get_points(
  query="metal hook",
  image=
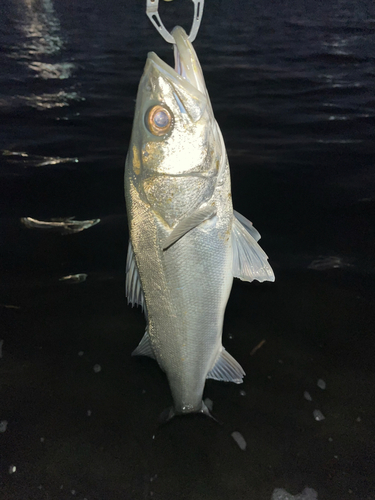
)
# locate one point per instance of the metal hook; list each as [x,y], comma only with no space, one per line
[152,12]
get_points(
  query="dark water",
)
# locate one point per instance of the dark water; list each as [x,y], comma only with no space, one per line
[292,86]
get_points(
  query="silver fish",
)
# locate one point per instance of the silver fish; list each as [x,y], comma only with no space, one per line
[186,241]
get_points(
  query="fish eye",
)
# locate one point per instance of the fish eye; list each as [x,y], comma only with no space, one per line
[159,120]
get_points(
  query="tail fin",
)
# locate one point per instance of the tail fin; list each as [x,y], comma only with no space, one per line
[170,412]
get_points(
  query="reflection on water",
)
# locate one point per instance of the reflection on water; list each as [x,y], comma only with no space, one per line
[49,101]
[63,226]
[324,263]
[43,41]
[49,71]
[36,160]
[42,28]
[74,278]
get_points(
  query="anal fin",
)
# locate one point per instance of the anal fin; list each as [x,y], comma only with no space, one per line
[227,369]
[144,347]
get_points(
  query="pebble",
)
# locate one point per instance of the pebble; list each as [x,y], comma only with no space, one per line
[97,368]
[307,396]
[242,393]
[318,415]
[12,469]
[3,425]
[321,384]
[307,494]
[238,437]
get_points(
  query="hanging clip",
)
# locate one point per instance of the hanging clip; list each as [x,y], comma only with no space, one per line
[152,12]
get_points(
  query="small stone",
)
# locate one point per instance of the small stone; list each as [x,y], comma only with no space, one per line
[40,487]
[42,440]
[3,425]
[335,456]
[307,396]
[281,361]
[242,393]
[89,413]
[12,469]
[238,437]
[318,415]
[330,440]
[73,492]
[230,336]
[321,384]
[81,353]
[153,478]
[269,377]
[97,368]
[62,487]
[358,419]
[153,437]
[143,391]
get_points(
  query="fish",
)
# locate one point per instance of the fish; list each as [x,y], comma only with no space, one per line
[186,243]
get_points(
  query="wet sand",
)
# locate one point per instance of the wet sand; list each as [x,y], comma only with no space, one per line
[75,431]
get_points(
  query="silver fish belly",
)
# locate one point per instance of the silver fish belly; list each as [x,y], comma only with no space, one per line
[186,242]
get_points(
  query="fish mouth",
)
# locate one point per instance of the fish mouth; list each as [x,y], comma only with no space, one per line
[187,70]
[186,60]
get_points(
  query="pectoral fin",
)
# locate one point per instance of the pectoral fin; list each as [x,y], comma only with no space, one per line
[247,225]
[189,222]
[250,262]
[227,369]
[133,287]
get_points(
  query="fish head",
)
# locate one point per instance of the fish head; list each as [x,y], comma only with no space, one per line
[175,153]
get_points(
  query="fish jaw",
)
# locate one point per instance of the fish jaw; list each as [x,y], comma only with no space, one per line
[186,60]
